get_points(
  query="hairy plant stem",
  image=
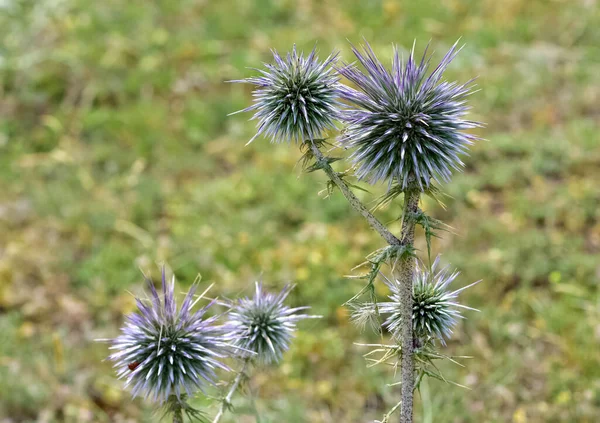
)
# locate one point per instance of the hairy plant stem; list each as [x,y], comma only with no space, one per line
[404,275]
[403,272]
[226,402]
[178,416]
[355,203]
[175,406]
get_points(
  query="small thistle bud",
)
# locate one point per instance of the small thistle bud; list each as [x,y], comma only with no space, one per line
[296,98]
[402,124]
[435,310]
[264,325]
[165,353]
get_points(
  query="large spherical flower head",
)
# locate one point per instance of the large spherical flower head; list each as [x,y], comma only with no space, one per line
[435,310]
[264,325]
[403,124]
[295,98]
[163,351]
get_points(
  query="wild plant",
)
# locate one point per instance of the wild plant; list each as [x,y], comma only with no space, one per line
[406,127]
[169,355]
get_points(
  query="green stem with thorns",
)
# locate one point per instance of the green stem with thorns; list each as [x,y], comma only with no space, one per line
[178,416]
[404,275]
[226,402]
[403,272]
[355,203]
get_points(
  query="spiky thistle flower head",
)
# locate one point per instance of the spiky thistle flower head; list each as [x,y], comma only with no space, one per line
[263,324]
[164,352]
[402,124]
[295,98]
[435,310]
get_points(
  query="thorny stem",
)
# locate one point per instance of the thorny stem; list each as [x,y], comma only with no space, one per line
[175,407]
[234,386]
[178,416]
[403,273]
[355,203]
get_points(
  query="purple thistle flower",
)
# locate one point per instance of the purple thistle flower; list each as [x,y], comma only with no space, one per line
[163,352]
[403,124]
[435,310]
[295,98]
[264,325]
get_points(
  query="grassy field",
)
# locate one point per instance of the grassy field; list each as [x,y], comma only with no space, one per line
[116,154]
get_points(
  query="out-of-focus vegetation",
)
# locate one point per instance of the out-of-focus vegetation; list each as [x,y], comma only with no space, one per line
[116,153]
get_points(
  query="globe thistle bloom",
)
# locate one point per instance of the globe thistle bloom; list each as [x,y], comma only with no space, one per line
[263,324]
[435,310]
[295,98]
[163,352]
[403,124]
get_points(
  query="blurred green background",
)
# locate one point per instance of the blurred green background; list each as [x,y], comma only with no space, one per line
[116,154]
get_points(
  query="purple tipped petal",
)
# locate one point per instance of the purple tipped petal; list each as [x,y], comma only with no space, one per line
[161,351]
[263,324]
[394,116]
[435,311]
[296,98]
